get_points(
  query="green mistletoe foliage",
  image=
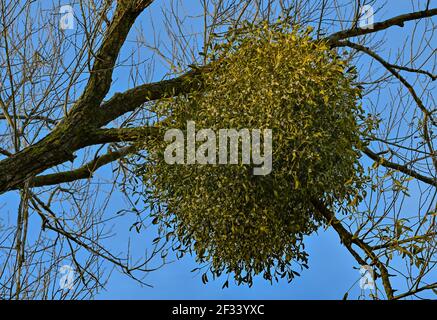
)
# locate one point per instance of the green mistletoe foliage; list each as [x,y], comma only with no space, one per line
[260,77]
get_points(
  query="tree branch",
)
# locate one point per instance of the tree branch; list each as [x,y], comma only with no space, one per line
[411,292]
[84,172]
[31,118]
[399,167]
[389,67]
[348,239]
[101,136]
[130,100]
[396,21]
[100,78]
[71,133]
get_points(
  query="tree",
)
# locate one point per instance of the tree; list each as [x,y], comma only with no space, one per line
[61,121]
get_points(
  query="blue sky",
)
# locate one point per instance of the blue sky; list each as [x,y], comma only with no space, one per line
[332,270]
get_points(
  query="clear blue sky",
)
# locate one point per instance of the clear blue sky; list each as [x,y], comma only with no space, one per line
[331,271]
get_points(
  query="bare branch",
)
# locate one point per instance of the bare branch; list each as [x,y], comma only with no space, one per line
[379,26]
